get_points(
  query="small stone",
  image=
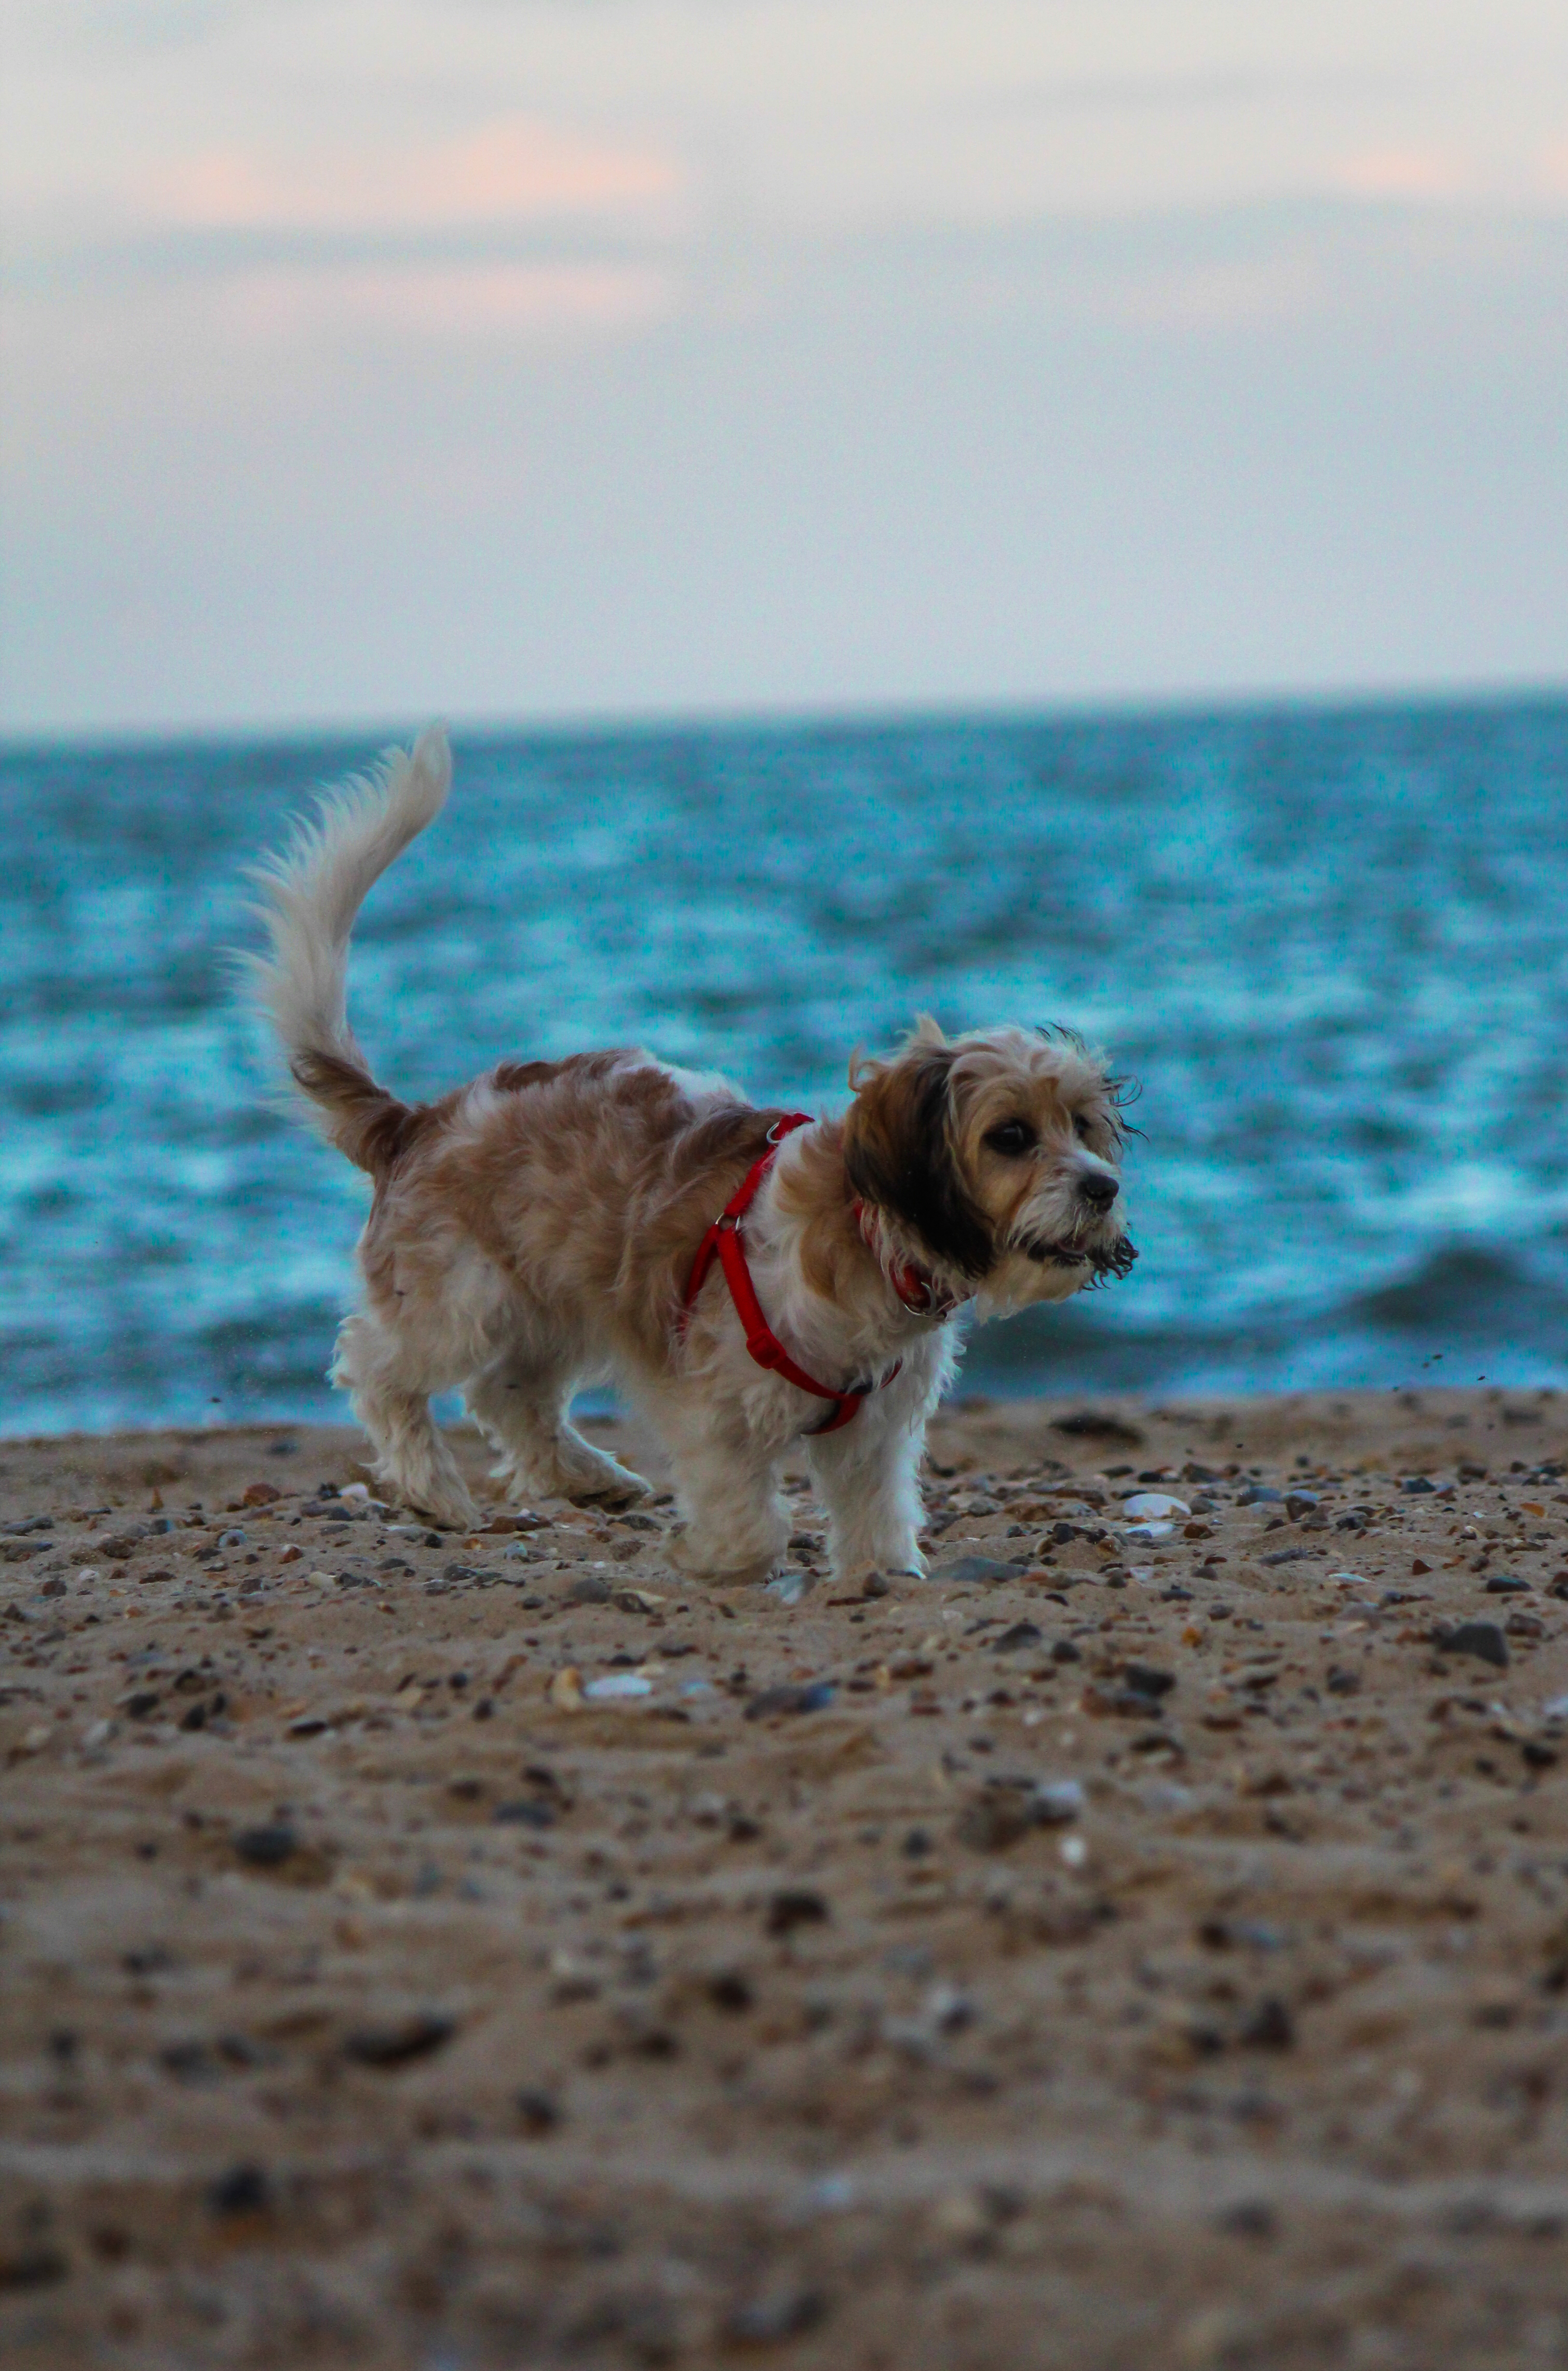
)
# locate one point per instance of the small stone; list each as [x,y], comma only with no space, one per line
[794,1906]
[1153,1506]
[1146,1681]
[32,2267]
[1482,1639]
[591,1590]
[815,1697]
[1507,1584]
[1021,1634]
[1259,1495]
[538,2113]
[1249,2219]
[388,2047]
[243,2190]
[1300,1502]
[266,1847]
[772,2320]
[259,1494]
[525,1814]
[617,1687]
[1269,2025]
[1007,1808]
[978,1567]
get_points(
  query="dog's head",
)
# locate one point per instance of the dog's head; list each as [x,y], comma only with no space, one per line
[996,1153]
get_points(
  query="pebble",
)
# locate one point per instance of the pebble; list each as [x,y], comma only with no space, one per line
[979,1568]
[388,2047]
[816,1697]
[1483,1639]
[616,1685]
[1153,1505]
[266,1847]
[591,1590]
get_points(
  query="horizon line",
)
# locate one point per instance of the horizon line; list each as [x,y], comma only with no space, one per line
[869,715]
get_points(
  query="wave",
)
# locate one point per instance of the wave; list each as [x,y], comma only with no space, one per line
[1464,1314]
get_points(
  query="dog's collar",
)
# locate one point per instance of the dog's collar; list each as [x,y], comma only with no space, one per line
[915,1286]
[722,1243]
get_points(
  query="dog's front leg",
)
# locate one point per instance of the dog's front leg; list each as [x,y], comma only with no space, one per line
[866,1476]
[734,1526]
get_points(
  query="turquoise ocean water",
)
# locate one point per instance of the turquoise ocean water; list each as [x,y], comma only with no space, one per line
[1332,944]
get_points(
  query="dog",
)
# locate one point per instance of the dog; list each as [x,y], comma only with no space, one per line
[731,1267]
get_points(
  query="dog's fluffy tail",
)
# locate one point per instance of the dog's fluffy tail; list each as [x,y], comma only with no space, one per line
[309,895]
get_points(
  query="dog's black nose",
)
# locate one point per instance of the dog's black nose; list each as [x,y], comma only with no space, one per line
[1099,1191]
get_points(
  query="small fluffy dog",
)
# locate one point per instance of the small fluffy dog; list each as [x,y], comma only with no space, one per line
[557,1223]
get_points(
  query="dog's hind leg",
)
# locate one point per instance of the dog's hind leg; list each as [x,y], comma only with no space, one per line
[410,1456]
[521,1406]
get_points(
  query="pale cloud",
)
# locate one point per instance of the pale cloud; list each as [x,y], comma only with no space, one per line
[1420,173]
[712,350]
[512,171]
[482,301]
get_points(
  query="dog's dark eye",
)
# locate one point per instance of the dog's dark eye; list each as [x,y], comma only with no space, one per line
[1081,1126]
[1011,1137]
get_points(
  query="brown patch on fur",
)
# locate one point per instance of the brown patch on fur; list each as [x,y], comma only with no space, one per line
[512,1078]
[898,1154]
[595,1174]
[817,1190]
[372,1127]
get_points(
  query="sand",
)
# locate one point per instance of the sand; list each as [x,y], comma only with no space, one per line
[1109,1951]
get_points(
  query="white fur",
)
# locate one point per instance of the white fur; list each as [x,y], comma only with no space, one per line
[313,890]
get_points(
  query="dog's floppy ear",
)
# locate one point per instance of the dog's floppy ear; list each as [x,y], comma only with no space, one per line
[898,1154]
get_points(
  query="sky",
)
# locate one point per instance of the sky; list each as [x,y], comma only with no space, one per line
[526,360]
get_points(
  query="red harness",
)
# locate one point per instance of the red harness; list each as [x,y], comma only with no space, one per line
[722,1241]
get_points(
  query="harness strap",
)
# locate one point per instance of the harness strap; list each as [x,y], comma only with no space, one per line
[723,1242]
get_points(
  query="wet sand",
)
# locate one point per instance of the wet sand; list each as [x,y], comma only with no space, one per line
[1115,1949]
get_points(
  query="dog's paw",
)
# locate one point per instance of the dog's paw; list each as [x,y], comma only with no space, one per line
[625,1490]
[698,1559]
[858,1571]
[450,1514]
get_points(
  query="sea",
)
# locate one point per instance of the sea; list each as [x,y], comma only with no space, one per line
[1328,944]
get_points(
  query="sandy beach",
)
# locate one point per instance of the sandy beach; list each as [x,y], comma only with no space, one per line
[1125,1946]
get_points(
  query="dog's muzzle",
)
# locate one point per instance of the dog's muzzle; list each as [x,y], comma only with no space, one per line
[1107,1260]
